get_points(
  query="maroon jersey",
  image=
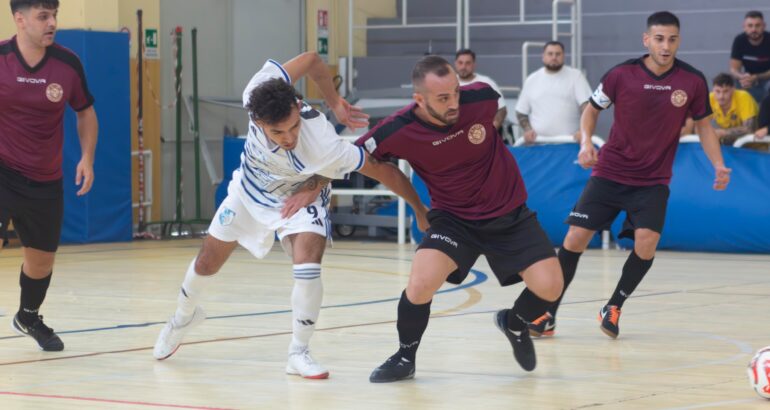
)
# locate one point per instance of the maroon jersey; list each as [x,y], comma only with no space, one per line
[32,101]
[468,170]
[649,113]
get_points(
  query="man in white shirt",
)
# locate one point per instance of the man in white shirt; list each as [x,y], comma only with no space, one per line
[465,65]
[290,155]
[552,98]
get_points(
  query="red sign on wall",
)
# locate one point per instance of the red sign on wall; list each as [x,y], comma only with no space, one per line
[323,19]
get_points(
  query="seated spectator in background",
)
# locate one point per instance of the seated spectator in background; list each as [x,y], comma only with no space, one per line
[552,98]
[750,56]
[764,120]
[465,65]
[735,111]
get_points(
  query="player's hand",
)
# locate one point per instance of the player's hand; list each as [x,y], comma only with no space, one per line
[587,156]
[722,177]
[297,201]
[84,176]
[530,136]
[422,218]
[350,115]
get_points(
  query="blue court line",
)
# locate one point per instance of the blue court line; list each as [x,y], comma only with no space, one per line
[479,277]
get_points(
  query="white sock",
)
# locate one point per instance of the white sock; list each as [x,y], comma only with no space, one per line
[189,294]
[305,303]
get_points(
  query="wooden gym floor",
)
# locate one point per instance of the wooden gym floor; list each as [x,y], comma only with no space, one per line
[686,335]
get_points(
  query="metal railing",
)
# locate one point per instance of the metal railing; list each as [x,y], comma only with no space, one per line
[404,24]
[463,25]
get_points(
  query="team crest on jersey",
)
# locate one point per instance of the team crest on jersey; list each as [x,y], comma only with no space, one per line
[477,133]
[678,98]
[226,217]
[54,92]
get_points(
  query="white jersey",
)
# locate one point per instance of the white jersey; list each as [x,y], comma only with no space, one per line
[269,174]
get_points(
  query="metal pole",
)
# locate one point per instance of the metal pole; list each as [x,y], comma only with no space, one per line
[350,48]
[196,123]
[459,28]
[522,10]
[467,25]
[403,12]
[579,34]
[525,57]
[555,20]
[573,33]
[141,217]
[178,83]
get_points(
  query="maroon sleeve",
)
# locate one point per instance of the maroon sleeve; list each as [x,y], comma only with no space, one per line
[700,107]
[81,98]
[382,141]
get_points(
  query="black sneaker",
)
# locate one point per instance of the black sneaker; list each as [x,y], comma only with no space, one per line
[394,369]
[545,325]
[523,348]
[43,335]
[609,317]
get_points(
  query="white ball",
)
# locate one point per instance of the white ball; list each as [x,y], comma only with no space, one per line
[759,372]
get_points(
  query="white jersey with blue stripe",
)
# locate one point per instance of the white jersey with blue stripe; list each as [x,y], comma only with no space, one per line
[269,174]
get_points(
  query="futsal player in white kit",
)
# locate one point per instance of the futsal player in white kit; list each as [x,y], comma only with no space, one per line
[290,155]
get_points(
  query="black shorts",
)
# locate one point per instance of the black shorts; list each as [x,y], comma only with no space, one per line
[602,200]
[35,208]
[511,242]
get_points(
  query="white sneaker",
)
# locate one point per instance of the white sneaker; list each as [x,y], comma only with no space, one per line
[302,364]
[170,337]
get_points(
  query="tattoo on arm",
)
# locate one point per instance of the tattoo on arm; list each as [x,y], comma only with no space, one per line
[732,134]
[313,183]
[523,121]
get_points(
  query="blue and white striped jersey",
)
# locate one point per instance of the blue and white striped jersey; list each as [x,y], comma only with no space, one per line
[269,174]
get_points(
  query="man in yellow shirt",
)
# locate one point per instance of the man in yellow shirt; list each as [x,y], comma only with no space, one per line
[735,111]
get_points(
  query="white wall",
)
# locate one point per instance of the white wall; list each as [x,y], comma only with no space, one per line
[234,38]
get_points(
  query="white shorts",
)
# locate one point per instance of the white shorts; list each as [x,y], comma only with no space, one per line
[255,227]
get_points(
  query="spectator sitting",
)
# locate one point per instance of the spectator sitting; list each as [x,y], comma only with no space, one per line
[552,98]
[751,53]
[465,65]
[735,111]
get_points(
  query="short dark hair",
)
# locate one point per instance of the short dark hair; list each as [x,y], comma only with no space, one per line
[754,14]
[554,43]
[724,80]
[429,64]
[18,5]
[662,18]
[272,101]
[464,51]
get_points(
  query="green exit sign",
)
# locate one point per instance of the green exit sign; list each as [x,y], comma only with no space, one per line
[151,38]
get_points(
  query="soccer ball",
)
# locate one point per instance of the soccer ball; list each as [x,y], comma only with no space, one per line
[759,372]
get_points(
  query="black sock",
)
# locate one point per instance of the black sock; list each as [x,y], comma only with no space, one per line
[527,308]
[633,273]
[411,324]
[32,296]
[568,261]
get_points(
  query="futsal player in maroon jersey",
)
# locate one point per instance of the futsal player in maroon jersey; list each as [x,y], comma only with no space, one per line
[37,79]
[652,95]
[477,208]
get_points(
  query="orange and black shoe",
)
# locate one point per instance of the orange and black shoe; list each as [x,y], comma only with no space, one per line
[545,325]
[609,316]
